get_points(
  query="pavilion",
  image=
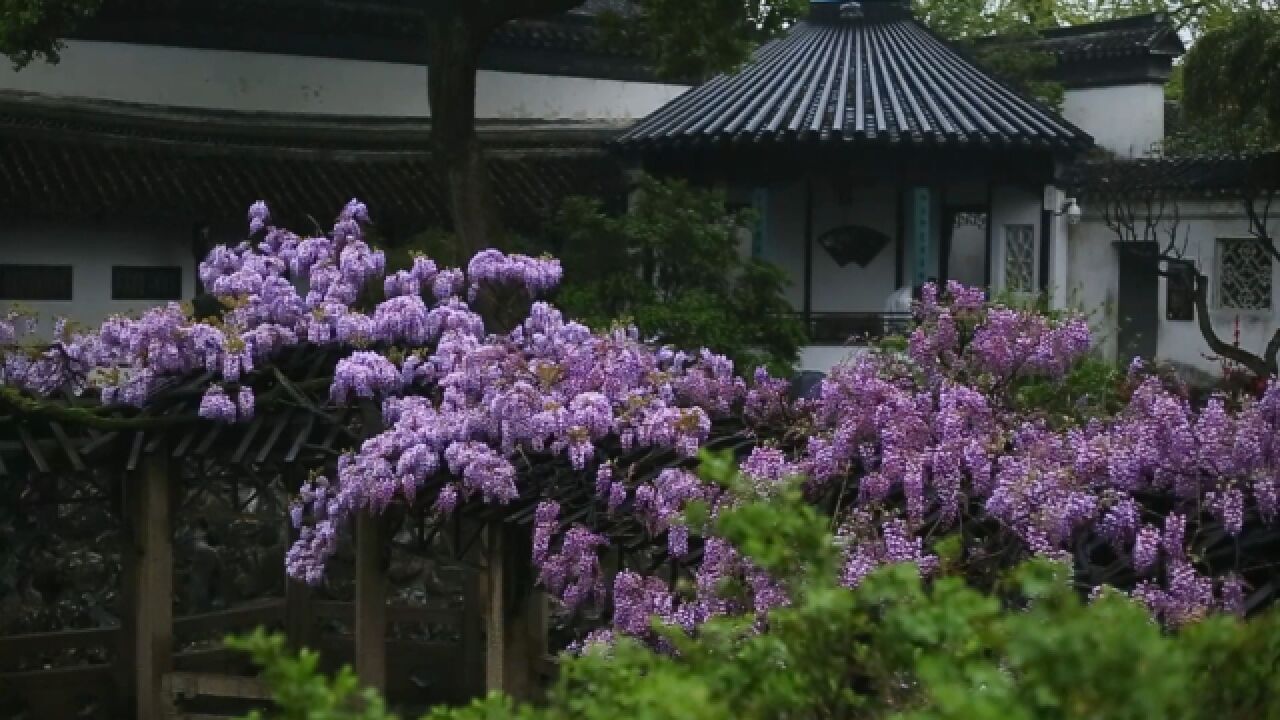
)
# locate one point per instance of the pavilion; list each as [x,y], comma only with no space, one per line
[877,157]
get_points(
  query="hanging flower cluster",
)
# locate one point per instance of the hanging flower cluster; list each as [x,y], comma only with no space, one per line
[913,444]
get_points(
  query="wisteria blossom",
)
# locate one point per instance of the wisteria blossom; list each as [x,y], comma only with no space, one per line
[907,446]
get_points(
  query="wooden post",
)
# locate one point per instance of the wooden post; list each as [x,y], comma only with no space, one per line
[125,670]
[298,613]
[470,678]
[371,603]
[495,655]
[152,591]
[516,635]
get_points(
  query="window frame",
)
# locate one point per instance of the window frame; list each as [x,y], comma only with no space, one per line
[70,281]
[1218,265]
[1004,259]
[176,271]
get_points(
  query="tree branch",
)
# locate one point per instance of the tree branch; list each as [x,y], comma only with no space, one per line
[1262,367]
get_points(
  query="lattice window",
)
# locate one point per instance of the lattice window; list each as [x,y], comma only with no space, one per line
[35,282]
[146,283]
[1244,274]
[1020,258]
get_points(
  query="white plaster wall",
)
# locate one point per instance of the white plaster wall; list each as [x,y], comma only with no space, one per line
[852,288]
[91,250]
[822,358]
[261,82]
[1012,206]
[1094,276]
[1126,119]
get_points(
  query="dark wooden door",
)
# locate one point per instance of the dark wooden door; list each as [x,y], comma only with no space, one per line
[1138,302]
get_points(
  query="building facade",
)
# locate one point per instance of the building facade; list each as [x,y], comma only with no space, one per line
[120,164]
[878,158]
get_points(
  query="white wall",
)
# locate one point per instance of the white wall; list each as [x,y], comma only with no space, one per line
[1094,276]
[261,82]
[1012,206]
[1125,119]
[851,288]
[822,358]
[91,250]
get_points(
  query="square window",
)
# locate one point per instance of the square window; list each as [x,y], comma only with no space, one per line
[146,283]
[1020,258]
[35,282]
[1244,274]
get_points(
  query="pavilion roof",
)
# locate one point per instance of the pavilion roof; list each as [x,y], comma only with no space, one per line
[880,78]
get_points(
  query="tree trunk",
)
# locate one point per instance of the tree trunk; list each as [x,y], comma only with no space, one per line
[1262,366]
[454,44]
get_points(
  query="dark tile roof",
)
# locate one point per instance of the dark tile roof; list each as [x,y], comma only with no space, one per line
[111,161]
[883,80]
[378,30]
[1149,34]
[1203,175]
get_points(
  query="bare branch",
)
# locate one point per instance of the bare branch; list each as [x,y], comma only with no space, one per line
[1260,366]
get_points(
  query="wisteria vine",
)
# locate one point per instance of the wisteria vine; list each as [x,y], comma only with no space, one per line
[915,444]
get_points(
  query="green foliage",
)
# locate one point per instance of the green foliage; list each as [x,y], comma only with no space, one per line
[672,265]
[897,647]
[1092,389]
[1017,23]
[33,29]
[1231,86]
[691,39]
[300,692]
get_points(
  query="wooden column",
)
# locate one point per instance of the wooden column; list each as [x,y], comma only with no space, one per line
[151,608]
[515,622]
[495,655]
[371,603]
[808,255]
[298,614]
[299,610]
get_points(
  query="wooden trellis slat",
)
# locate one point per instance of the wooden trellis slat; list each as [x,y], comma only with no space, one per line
[98,441]
[308,424]
[238,456]
[135,451]
[278,429]
[209,439]
[33,448]
[181,448]
[72,455]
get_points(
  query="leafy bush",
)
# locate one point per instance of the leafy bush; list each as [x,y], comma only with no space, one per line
[896,647]
[672,265]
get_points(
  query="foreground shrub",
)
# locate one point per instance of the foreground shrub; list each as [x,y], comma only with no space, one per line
[896,647]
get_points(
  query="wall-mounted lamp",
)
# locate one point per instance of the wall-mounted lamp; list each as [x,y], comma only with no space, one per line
[1072,210]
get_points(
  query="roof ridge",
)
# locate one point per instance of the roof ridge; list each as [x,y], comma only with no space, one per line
[1153,20]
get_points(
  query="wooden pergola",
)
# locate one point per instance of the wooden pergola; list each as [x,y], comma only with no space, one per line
[137,460]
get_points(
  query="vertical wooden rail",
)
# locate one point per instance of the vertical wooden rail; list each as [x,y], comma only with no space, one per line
[298,614]
[470,679]
[371,603]
[152,590]
[495,650]
[125,670]
[299,611]
[516,634]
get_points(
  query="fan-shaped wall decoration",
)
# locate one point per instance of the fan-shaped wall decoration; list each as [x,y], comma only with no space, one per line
[853,243]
